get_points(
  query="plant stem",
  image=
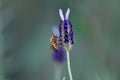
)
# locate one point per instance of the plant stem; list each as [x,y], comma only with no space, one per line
[57,74]
[63,78]
[68,65]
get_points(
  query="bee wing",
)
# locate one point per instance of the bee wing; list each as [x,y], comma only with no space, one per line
[67,14]
[61,14]
[55,31]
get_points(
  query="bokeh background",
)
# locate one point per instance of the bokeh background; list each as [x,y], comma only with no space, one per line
[26,27]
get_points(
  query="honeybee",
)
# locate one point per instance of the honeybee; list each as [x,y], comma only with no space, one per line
[54,42]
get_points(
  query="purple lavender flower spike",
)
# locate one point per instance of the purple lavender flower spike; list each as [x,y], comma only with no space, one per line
[65,29]
[59,55]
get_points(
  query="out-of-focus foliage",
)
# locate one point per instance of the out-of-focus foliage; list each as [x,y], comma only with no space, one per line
[26,27]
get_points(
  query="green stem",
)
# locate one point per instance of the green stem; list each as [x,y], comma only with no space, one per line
[57,74]
[68,65]
[63,78]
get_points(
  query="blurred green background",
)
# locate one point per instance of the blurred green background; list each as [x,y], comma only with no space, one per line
[26,27]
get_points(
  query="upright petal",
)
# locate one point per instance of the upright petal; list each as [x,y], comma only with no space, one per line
[61,14]
[67,14]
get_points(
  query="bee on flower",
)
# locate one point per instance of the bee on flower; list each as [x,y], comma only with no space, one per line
[54,42]
[58,50]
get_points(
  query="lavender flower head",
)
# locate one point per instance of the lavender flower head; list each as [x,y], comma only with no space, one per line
[62,38]
[65,30]
[62,41]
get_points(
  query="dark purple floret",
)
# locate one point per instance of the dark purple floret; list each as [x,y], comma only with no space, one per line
[66,32]
[59,55]
[60,40]
[65,24]
[65,27]
[70,24]
[65,21]
[60,30]
[71,38]
[72,42]
[71,33]
[66,41]
[61,22]
[60,26]
[66,36]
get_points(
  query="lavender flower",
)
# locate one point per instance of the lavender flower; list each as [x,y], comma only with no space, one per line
[62,41]
[65,30]
[59,55]
[66,36]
